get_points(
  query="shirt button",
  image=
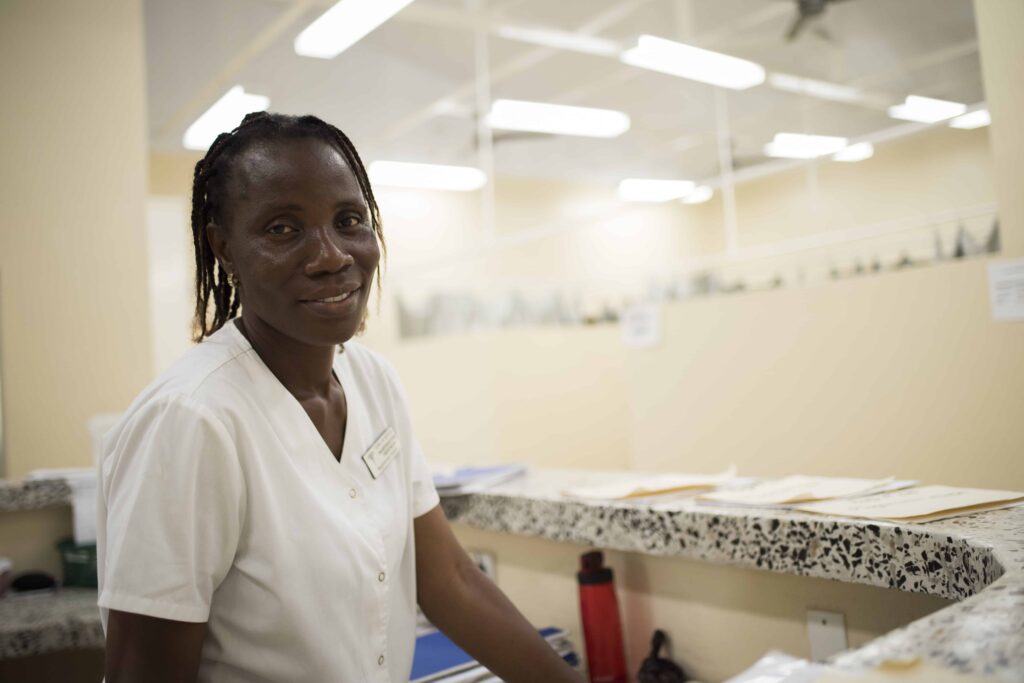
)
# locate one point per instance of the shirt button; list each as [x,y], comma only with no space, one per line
[381,577]
[352,493]
[380,660]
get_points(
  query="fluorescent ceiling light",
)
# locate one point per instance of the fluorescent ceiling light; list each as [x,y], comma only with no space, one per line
[799,146]
[223,116]
[644,190]
[856,152]
[971,120]
[686,61]
[562,40]
[699,195]
[558,119]
[820,89]
[344,25]
[926,109]
[426,176]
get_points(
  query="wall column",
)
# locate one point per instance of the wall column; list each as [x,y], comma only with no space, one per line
[1000,23]
[74,313]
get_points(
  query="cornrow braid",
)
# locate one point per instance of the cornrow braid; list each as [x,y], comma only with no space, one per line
[213,283]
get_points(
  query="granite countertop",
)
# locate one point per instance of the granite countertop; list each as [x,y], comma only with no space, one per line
[36,624]
[41,623]
[34,494]
[976,560]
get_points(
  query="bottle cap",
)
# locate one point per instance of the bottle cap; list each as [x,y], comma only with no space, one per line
[592,569]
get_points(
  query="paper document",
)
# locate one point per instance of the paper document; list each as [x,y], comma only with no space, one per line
[462,480]
[799,489]
[650,485]
[914,671]
[921,504]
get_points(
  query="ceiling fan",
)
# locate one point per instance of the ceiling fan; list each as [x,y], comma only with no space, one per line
[805,11]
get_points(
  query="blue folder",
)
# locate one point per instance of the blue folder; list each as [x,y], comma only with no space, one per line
[436,656]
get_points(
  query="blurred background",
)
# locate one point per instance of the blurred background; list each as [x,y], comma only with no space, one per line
[778,261]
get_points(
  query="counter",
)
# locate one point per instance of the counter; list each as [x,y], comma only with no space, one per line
[34,494]
[976,560]
[33,625]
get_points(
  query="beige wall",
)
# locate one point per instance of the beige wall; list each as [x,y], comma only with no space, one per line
[29,538]
[900,374]
[75,333]
[720,619]
[1002,63]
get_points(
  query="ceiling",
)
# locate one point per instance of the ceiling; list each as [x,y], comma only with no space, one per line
[408,91]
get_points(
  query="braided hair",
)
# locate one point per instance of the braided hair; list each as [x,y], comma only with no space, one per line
[213,282]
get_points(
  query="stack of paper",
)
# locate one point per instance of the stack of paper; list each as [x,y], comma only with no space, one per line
[791,491]
[776,667]
[462,480]
[916,505]
[911,671]
[642,486]
[437,658]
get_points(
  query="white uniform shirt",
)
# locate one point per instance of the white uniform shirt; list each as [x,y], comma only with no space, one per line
[220,502]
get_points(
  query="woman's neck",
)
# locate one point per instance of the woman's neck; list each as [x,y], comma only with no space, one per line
[304,370]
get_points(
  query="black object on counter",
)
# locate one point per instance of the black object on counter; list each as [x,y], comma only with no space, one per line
[657,669]
[33,581]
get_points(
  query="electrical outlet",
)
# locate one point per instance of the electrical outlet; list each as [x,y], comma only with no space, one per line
[827,633]
[485,561]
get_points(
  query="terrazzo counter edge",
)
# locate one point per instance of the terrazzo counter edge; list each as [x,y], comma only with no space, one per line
[33,494]
[976,560]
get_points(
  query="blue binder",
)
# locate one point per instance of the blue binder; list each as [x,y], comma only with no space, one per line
[436,656]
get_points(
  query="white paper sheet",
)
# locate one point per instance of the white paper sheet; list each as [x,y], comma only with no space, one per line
[800,488]
[1006,290]
[914,671]
[641,486]
[920,504]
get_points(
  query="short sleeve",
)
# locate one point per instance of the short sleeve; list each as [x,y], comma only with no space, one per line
[174,499]
[424,496]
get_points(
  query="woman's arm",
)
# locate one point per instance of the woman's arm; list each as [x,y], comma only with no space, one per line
[460,600]
[142,649]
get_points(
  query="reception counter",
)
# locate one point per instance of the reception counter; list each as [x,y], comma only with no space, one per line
[976,560]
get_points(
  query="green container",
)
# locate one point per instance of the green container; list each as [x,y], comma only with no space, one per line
[79,562]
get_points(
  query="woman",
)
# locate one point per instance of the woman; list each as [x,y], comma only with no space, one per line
[265,511]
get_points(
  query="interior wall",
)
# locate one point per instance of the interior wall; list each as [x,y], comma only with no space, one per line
[1002,62]
[75,328]
[890,374]
[720,619]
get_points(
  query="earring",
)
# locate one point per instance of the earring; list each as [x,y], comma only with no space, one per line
[232,278]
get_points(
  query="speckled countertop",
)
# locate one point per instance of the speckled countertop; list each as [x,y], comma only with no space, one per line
[977,560]
[66,620]
[32,495]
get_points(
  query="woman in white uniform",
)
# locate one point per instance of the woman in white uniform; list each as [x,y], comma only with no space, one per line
[265,511]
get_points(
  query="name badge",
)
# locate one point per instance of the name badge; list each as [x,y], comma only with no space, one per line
[378,456]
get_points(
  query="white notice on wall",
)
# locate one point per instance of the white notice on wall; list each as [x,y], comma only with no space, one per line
[1006,290]
[641,325]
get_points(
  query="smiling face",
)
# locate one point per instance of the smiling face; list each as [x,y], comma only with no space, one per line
[299,236]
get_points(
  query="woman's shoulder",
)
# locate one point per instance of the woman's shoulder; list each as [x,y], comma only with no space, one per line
[205,378]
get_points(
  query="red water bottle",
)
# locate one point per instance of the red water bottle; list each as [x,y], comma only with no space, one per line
[599,613]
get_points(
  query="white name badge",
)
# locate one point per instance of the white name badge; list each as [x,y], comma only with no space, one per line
[378,456]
